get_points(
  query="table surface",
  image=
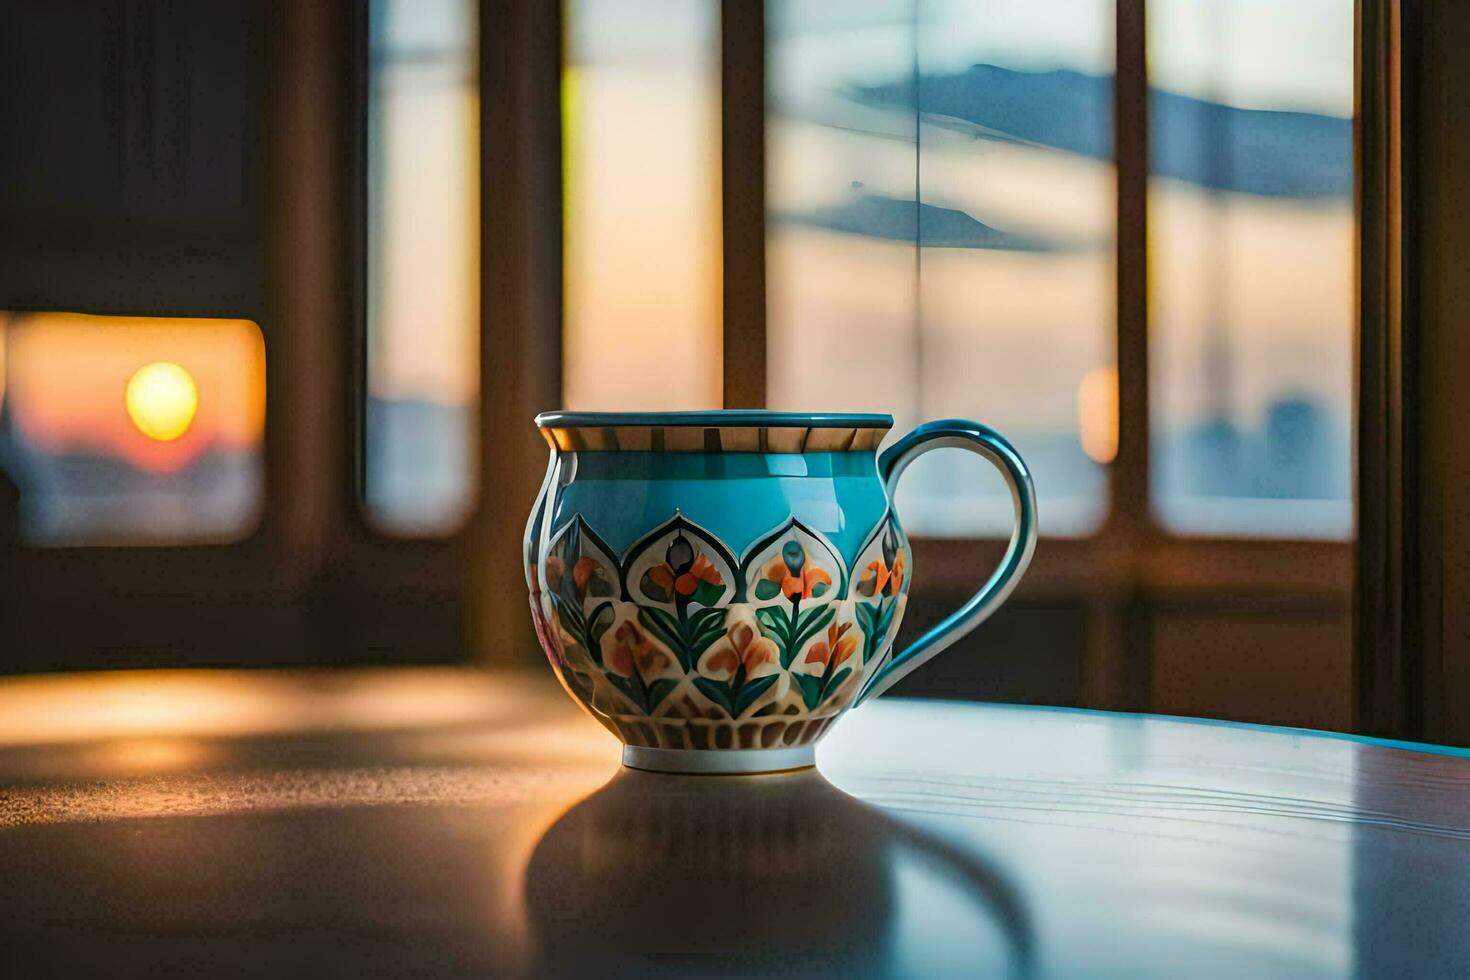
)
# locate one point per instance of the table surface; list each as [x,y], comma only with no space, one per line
[448,822]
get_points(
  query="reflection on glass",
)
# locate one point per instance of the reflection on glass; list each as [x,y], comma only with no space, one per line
[641,132]
[129,430]
[949,254]
[423,316]
[1251,265]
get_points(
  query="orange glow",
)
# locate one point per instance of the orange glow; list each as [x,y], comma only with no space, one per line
[162,704]
[1097,414]
[69,376]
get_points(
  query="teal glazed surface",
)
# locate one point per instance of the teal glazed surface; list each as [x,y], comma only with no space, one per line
[716,588]
[737,497]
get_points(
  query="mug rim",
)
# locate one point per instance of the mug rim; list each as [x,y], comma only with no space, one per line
[715,418]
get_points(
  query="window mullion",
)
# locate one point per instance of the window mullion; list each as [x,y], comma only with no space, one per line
[743,200]
[1129,486]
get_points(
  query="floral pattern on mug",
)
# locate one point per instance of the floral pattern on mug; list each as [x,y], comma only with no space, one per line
[736,672]
[639,666]
[794,575]
[880,590]
[784,633]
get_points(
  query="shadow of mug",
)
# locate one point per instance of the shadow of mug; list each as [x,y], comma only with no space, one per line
[780,873]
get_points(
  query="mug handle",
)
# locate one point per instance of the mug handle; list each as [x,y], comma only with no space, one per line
[983,441]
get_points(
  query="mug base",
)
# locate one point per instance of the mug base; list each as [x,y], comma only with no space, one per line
[719,761]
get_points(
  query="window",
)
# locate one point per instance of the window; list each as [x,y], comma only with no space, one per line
[423,295]
[941,213]
[129,430]
[641,159]
[840,176]
[1252,265]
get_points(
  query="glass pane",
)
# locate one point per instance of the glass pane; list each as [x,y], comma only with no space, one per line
[840,176]
[1251,265]
[641,131]
[128,430]
[1017,279]
[423,283]
[960,267]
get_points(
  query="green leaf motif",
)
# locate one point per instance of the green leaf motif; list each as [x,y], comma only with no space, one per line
[705,627]
[602,619]
[625,684]
[812,627]
[775,625]
[707,593]
[811,689]
[751,691]
[717,692]
[597,627]
[835,684]
[659,690]
[666,629]
[886,620]
[766,589]
[876,621]
[703,642]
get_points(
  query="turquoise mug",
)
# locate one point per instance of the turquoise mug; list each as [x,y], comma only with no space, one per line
[716,588]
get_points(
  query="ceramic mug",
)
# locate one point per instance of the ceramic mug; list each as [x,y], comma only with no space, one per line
[716,588]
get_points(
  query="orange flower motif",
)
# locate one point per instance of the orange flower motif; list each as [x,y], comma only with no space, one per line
[837,648]
[884,575]
[630,647]
[774,570]
[685,575]
[794,575]
[882,580]
[701,571]
[877,577]
[582,572]
[744,647]
[812,581]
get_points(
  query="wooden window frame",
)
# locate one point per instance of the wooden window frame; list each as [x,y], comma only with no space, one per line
[1412,590]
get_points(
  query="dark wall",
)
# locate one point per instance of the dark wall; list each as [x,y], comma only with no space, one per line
[131,164]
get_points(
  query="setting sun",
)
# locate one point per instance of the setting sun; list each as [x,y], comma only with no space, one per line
[162,399]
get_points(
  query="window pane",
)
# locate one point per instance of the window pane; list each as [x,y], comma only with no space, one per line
[1017,279]
[1251,265]
[124,430]
[965,269]
[423,314]
[840,172]
[641,130]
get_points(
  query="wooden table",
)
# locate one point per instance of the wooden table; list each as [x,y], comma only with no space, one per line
[446,822]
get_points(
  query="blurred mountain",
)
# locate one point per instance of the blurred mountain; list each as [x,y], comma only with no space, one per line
[1212,145]
[81,496]
[418,463]
[895,219]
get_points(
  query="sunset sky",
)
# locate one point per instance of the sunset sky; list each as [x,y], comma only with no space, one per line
[68,374]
